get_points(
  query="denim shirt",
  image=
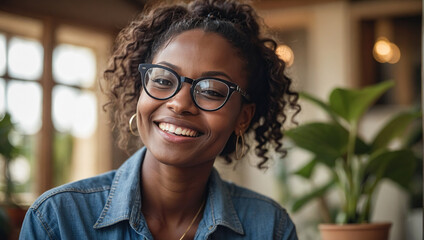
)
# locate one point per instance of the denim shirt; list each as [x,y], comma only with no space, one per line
[108,206]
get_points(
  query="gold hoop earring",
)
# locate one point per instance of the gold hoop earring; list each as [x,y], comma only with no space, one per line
[240,155]
[130,124]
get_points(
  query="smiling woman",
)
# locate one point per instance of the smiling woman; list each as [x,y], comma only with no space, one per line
[195,78]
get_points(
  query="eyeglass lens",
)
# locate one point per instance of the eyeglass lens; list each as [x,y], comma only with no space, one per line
[208,94]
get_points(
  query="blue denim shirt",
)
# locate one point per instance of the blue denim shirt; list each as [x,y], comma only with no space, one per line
[108,206]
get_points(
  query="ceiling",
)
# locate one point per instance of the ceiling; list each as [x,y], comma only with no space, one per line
[113,15]
[106,15]
[110,15]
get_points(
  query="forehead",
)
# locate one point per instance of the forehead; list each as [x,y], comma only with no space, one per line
[196,51]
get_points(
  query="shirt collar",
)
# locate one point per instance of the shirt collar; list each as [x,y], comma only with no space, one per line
[219,208]
[124,200]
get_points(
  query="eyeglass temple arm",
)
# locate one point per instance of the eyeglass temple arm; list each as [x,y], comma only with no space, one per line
[243,93]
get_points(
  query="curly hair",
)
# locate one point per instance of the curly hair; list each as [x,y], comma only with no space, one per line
[268,86]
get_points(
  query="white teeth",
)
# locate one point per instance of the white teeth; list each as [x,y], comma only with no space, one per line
[177,130]
[172,128]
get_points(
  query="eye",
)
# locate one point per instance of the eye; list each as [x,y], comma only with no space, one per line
[211,90]
[162,82]
[160,79]
[212,94]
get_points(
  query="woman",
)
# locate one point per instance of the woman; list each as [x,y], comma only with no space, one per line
[193,79]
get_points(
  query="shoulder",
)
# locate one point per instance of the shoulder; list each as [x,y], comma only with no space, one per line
[99,184]
[259,212]
[67,210]
[93,185]
[246,196]
[246,202]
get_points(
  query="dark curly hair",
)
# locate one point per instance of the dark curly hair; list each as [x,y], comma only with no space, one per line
[268,86]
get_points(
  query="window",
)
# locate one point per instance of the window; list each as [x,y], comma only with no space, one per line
[51,92]
[21,59]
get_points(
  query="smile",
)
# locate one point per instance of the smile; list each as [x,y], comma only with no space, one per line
[180,131]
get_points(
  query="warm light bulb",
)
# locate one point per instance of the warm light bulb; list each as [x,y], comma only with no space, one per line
[386,51]
[285,53]
[382,47]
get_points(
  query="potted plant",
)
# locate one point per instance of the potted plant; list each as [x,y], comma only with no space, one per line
[357,167]
[11,214]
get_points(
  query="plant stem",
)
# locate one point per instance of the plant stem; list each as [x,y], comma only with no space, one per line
[351,143]
[352,194]
[366,212]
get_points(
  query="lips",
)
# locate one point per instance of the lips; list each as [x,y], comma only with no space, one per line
[177,130]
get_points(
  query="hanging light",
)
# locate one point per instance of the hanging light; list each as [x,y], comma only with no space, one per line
[386,51]
[285,53]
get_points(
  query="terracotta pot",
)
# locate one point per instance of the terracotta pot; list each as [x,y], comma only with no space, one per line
[368,231]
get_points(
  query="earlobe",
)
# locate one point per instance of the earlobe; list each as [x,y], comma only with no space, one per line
[246,114]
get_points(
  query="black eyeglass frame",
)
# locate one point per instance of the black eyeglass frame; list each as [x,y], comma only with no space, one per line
[144,67]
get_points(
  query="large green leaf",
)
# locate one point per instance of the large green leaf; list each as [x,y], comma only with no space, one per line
[325,140]
[397,166]
[351,104]
[328,141]
[394,128]
[320,104]
[307,170]
[317,192]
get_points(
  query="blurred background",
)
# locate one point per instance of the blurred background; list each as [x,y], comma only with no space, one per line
[52,54]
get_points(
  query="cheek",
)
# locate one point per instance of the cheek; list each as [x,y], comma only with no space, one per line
[145,107]
[223,125]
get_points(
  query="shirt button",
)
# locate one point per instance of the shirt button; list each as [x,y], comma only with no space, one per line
[210,227]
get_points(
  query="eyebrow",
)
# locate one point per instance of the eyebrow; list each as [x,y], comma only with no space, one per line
[204,74]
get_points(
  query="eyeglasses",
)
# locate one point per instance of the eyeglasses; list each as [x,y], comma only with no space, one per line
[207,93]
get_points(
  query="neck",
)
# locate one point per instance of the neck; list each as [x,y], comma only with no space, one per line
[173,194]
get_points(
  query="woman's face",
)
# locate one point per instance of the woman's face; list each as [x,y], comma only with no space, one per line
[193,54]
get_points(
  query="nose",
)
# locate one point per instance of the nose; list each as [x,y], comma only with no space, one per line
[182,103]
